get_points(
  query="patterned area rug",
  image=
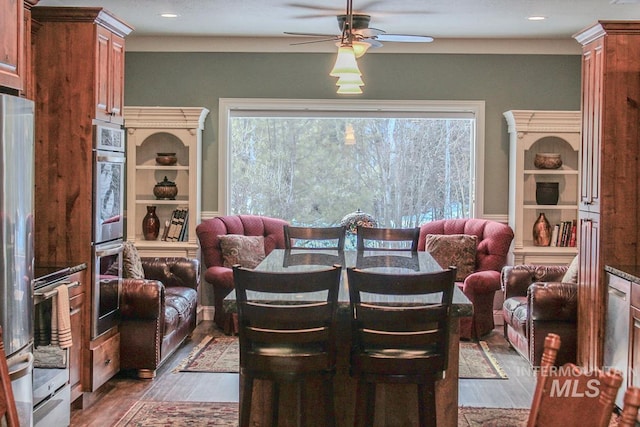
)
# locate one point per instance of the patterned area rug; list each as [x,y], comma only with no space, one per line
[220,354]
[148,413]
[152,414]
[477,362]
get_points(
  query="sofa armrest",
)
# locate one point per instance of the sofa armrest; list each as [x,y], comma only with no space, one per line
[173,271]
[142,299]
[516,279]
[481,282]
[553,301]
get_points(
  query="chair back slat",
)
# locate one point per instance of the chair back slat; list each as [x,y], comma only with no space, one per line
[283,339]
[314,237]
[8,408]
[570,395]
[379,327]
[387,239]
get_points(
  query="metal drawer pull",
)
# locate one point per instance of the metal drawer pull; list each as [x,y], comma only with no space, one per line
[617,293]
[43,294]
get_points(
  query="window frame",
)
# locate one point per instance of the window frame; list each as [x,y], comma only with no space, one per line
[227,107]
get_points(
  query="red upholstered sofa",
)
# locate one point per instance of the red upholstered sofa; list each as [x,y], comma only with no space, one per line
[494,240]
[220,277]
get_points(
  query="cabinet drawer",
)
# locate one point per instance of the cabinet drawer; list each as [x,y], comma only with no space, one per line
[105,360]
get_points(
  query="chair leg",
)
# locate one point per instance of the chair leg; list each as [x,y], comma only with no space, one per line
[246,392]
[275,402]
[427,405]
[329,408]
[362,398]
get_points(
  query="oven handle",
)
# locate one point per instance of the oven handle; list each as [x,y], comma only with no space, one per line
[24,364]
[111,159]
[110,250]
[41,296]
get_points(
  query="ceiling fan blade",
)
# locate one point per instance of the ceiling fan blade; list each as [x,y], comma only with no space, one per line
[315,41]
[312,7]
[368,32]
[310,34]
[404,38]
[372,42]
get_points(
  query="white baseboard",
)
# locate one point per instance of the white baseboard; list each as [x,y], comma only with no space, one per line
[205,313]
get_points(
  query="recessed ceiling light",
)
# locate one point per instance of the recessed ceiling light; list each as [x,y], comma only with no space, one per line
[168,15]
[537,18]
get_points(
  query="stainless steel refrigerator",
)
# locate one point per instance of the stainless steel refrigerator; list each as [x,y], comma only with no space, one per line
[16,238]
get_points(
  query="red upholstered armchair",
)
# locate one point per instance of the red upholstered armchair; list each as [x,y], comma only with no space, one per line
[494,240]
[221,277]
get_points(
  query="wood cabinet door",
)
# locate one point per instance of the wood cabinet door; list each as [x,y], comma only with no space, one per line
[116,77]
[592,75]
[76,305]
[103,85]
[11,44]
[109,76]
[591,302]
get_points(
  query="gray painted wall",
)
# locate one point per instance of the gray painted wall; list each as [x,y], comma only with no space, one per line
[504,82]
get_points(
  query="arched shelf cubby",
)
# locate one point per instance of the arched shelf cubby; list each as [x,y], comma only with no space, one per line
[532,132]
[153,130]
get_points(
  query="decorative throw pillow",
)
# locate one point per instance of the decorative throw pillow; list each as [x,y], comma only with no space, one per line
[248,251]
[454,249]
[571,275]
[131,263]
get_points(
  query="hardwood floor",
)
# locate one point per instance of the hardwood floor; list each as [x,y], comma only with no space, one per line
[114,399]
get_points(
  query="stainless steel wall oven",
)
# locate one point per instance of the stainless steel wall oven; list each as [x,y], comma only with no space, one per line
[107,284]
[108,227]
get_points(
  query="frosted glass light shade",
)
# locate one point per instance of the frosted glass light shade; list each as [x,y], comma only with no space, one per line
[350,79]
[360,48]
[345,62]
[349,89]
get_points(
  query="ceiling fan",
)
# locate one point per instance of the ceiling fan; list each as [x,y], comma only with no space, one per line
[354,28]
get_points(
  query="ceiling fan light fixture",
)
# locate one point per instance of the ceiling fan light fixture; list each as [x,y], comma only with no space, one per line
[349,89]
[345,62]
[360,48]
[350,79]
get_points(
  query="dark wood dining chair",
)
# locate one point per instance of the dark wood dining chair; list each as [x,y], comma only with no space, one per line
[388,239]
[399,344]
[571,396]
[8,409]
[298,237]
[286,342]
[293,257]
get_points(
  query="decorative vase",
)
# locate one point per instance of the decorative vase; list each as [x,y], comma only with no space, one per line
[165,190]
[151,224]
[547,193]
[541,231]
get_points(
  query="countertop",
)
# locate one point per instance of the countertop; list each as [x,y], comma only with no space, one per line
[627,272]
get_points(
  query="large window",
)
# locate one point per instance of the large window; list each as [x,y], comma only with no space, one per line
[312,162]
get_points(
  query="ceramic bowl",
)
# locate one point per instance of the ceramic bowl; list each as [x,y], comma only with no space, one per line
[166,159]
[547,160]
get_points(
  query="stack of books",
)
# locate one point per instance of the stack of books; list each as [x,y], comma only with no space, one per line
[176,228]
[564,234]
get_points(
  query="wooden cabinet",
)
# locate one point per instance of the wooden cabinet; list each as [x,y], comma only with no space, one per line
[152,130]
[610,170]
[12,34]
[110,76]
[76,305]
[66,125]
[532,132]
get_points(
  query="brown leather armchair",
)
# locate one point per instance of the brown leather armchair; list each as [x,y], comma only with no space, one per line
[158,312]
[536,303]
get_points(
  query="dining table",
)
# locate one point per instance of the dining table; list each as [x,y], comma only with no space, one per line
[396,404]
